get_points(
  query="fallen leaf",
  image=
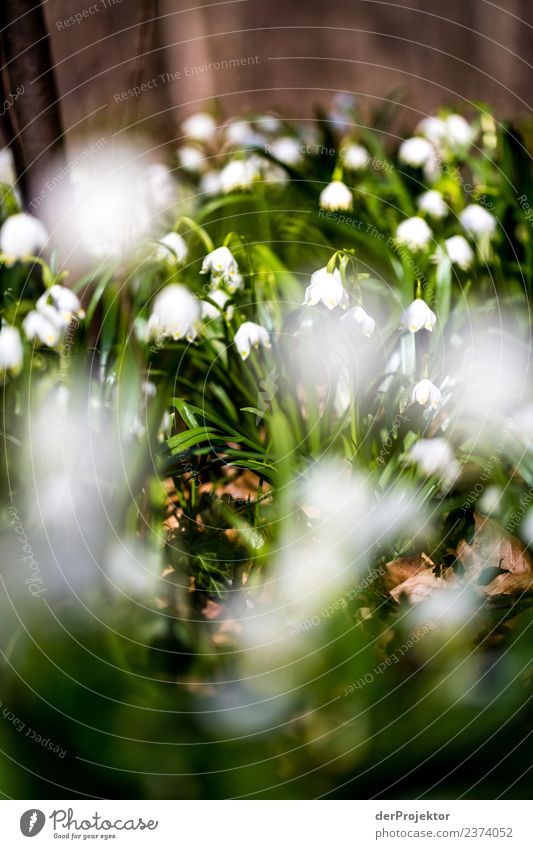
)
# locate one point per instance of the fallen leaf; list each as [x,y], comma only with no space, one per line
[418,586]
[399,570]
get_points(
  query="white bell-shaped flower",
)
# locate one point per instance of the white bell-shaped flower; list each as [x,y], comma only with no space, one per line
[458,251]
[418,316]
[238,174]
[210,311]
[414,233]
[426,393]
[21,237]
[221,263]
[336,196]
[44,326]
[459,133]
[326,288]
[477,220]
[172,248]
[433,204]
[416,152]
[175,314]
[286,150]
[359,318]
[433,129]
[355,157]
[191,158]
[201,126]
[251,335]
[11,354]
[64,301]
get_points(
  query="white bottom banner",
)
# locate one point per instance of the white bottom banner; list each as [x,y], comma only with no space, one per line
[262,824]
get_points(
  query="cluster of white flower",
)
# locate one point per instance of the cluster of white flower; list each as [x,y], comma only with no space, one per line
[53,313]
[224,270]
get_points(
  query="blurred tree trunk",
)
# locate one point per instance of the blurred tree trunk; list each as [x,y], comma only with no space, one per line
[32,124]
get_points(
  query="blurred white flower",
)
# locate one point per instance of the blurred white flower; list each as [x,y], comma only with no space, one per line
[433,204]
[7,167]
[336,196]
[417,316]
[44,326]
[175,314]
[326,288]
[237,174]
[459,133]
[287,150]
[433,129]
[237,132]
[201,126]
[458,250]
[435,457]
[251,335]
[220,298]
[21,237]
[359,318]
[11,354]
[210,183]
[64,301]
[414,233]
[269,123]
[416,152]
[426,393]
[191,158]
[355,157]
[477,221]
[172,248]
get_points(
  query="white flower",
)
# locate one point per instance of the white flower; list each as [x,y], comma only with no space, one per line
[21,237]
[251,335]
[237,174]
[477,220]
[7,167]
[433,129]
[200,126]
[220,298]
[362,319]
[336,196]
[175,314]
[172,248]
[64,301]
[433,204]
[459,133]
[221,263]
[46,326]
[425,392]
[414,233]
[190,158]
[355,157]
[238,132]
[435,457]
[210,183]
[416,152]
[417,316]
[10,350]
[327,288]
[458,250]
[287,150]
[269,123]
